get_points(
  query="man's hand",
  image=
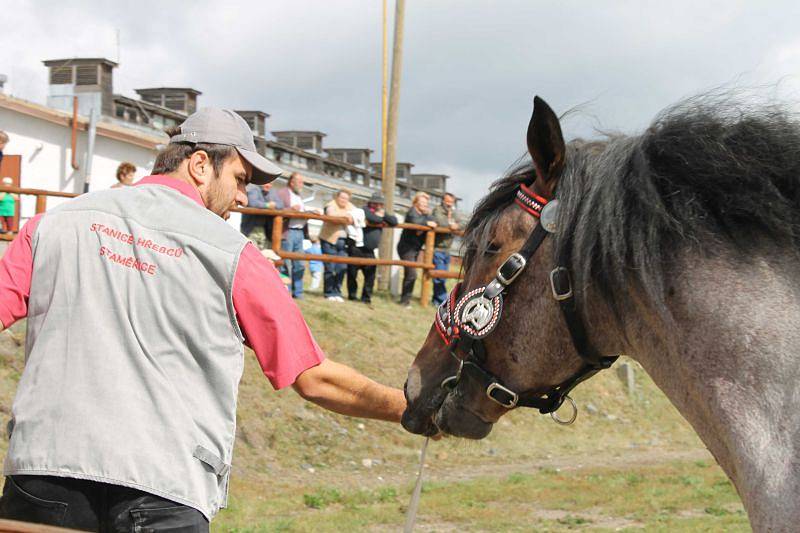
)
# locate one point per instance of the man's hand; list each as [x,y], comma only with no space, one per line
[341,389]
[432,223]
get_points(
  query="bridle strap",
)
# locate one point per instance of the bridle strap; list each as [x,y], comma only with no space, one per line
[448,320]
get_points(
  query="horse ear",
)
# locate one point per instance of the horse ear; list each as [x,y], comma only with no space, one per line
[546,146]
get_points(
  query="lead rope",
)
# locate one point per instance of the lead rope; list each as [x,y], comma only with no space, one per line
[413,505]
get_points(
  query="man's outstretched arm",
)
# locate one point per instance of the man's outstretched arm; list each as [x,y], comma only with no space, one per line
[344,390]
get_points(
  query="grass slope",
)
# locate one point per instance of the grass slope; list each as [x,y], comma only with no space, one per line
[629,461]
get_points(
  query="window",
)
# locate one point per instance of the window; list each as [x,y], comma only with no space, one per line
[152,98]
[355,157]
[306,143]
[358,178]
[176,102]
[60,75]
[133,116]
[251,121]
[375,183]
[86,75]
[120,111]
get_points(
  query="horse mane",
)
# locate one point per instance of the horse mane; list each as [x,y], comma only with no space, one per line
[709,173]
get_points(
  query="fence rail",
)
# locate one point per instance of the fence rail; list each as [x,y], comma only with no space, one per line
[278,215]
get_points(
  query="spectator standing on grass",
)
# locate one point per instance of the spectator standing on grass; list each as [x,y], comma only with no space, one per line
[377,219]
[412,241]
[355,245]
[314,266]
[8,207]
[125,174]
[124,418]
[444,216]
[295,231]
[258,228]
[333,237]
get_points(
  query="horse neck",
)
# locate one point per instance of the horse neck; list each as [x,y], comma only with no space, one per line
[730,364]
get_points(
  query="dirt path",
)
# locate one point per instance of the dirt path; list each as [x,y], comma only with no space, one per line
[448,469]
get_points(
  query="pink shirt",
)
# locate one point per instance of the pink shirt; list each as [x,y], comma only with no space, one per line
[268,317]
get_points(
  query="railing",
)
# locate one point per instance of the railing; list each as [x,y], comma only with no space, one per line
[278,215]
[428,270]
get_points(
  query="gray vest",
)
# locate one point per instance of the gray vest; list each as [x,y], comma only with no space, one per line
[133,351]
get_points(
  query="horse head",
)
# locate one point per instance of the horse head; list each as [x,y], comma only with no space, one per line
[529,348]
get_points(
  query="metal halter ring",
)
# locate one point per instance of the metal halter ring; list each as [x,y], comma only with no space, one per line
[566,421]
[451,382]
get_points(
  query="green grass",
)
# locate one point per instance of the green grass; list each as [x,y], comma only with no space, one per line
[633,463]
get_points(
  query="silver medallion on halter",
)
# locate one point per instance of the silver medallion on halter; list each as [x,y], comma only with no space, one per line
[478,312]
[549,215]
[480,315]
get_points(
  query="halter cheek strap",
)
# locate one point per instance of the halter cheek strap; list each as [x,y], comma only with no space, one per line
[467,320]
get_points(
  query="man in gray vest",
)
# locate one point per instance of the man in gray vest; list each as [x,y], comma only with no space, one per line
[138,302]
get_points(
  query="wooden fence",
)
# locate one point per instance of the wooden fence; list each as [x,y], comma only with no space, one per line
[429,272]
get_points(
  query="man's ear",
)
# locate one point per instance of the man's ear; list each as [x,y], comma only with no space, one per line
[546,146]
[200,168]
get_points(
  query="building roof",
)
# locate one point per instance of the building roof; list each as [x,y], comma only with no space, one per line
[164,89]
[110,130]
[150,107]
[306,132]
[347,149]
[431,174]
[259,113]
[79,60]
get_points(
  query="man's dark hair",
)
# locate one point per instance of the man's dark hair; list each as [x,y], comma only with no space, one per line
[451,195]
[170,158]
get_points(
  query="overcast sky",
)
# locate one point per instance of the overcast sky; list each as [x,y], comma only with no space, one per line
[470,70]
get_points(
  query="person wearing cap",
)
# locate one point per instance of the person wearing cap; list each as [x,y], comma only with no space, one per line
[139,301]
[377,218]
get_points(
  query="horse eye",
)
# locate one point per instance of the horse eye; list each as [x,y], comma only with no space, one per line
[491,249]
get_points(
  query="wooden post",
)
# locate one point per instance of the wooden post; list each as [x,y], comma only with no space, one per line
[41,204]
[277,233]
[389,156]
[427,280]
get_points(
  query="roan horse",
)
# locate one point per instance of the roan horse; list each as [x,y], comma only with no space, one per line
[678,247]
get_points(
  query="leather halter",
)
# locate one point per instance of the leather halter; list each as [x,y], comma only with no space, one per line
[463,322]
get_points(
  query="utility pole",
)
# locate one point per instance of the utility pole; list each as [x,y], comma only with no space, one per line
[389,156]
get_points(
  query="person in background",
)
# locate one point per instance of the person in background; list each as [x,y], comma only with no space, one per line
[355,245]
[125,174]
[314,266]
[258,228]
[334,242]
[444,216]
[294,230]
[412,241]
[8,207]
[377,219]
[3,143]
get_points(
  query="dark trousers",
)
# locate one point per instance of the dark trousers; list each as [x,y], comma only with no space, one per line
[92,506]
[369,274]
[334,272]
[409,274]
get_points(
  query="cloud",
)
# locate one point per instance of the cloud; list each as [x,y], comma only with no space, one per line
[470,67]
